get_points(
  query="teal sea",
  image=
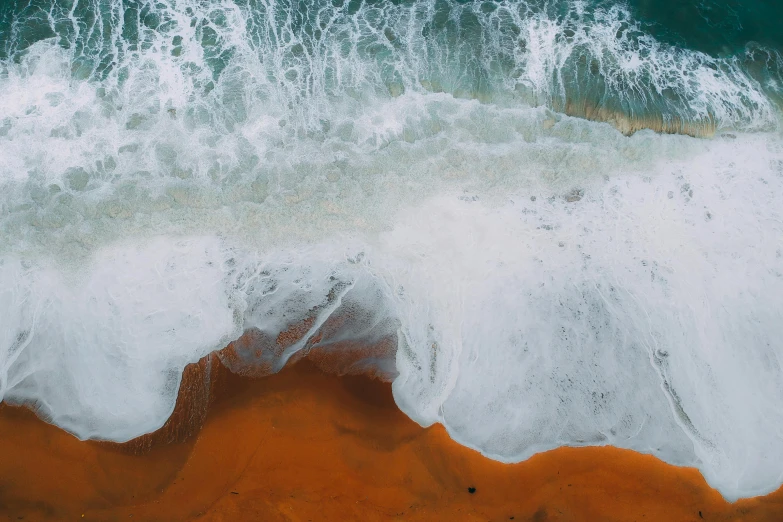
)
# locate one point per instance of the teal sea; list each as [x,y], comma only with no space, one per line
[564,216]
[638,60]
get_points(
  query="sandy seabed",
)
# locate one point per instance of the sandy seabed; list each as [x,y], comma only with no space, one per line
[303,445]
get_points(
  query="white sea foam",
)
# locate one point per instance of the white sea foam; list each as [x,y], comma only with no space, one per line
[644,313]
[550,280]
[101,353]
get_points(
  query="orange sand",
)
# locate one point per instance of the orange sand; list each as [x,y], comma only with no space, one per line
[306,446]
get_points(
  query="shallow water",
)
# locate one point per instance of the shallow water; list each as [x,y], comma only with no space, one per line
[176,173]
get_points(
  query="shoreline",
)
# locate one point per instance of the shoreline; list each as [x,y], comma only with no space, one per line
[306,445]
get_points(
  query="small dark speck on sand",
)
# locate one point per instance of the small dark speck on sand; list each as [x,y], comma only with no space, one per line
[700,515]
[471,490]
[235,493]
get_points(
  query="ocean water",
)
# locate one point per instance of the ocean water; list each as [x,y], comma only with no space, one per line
[567,213]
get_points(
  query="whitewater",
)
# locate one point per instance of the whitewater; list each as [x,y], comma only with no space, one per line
[571,229]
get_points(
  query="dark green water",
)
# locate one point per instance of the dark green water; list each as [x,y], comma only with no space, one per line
[716,27]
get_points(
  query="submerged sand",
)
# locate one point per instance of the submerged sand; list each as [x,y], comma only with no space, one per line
[303,445]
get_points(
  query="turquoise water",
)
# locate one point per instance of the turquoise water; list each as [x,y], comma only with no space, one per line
[469,49]
[564,216]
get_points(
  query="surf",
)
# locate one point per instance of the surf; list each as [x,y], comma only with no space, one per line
[486,190]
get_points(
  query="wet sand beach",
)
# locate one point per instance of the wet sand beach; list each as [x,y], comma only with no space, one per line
[303,445]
